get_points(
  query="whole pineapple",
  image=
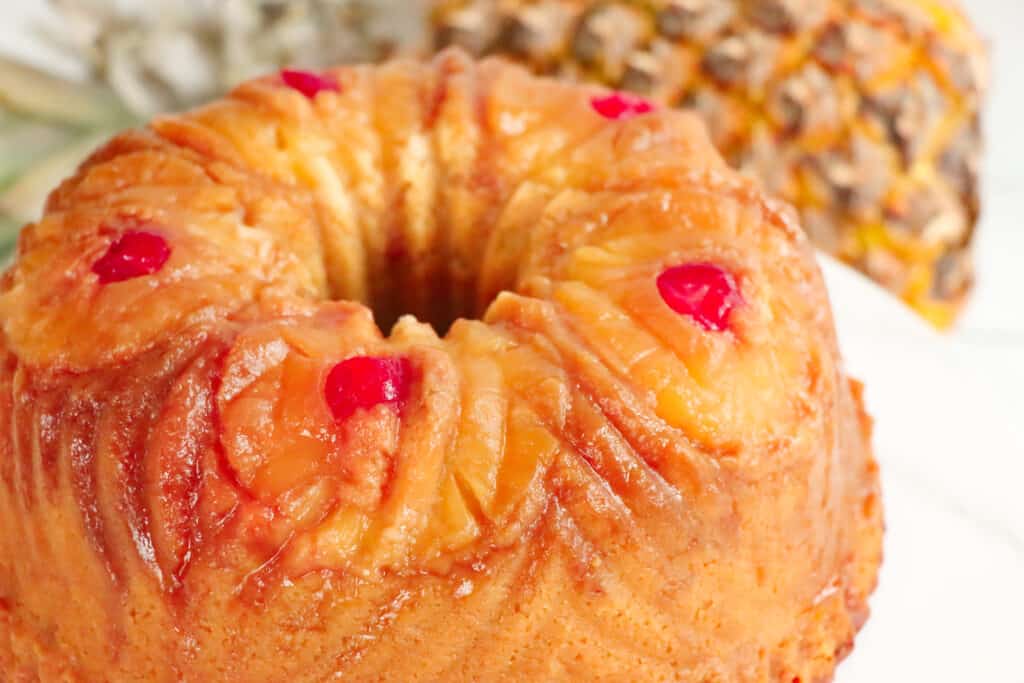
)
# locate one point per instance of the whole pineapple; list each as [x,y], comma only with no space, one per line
[864,114]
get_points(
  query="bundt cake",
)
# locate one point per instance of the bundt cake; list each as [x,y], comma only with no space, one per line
[609,437]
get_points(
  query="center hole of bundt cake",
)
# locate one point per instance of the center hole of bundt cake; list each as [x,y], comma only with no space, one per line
[434,288]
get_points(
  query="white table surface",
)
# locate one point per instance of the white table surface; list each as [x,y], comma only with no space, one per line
[950,414]
[991,336]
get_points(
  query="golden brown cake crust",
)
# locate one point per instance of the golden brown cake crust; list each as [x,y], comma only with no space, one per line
[584,483]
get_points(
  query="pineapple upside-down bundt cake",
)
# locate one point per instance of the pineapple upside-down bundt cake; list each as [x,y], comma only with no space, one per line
[632,456]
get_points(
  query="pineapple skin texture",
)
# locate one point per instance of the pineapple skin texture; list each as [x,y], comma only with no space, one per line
[863,114]
[584,486]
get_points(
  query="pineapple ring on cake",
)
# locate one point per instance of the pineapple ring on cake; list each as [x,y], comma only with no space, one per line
[608,436]
[864,114]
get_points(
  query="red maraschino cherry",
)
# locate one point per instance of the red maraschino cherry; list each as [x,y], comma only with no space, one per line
[362,382]
[134,254]
[309,83]
[703,291]
[620,105]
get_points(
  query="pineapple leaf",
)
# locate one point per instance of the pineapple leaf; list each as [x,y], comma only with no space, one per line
[23,200]
[9,229]
[35,92]
[24,141]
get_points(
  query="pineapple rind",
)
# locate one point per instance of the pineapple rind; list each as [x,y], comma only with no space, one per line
[864,114]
